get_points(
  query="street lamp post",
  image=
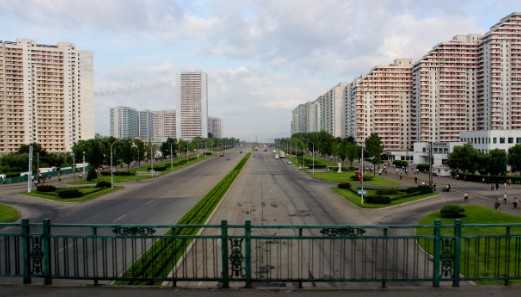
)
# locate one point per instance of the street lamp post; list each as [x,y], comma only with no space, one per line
[83,163]
[171,157]
[112,165]
[313,144]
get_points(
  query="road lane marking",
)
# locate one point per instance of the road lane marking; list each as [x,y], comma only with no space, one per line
[119,218]
[149,202]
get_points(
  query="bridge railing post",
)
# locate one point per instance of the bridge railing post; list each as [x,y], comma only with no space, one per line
[437,254]
[457,253]
[247,245]
[46,239]
[26,263]
[224,254]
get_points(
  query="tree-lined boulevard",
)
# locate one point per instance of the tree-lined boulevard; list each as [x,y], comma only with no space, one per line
[269,191]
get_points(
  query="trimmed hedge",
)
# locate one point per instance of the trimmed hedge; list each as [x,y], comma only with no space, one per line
[46,188]
[452,211]
[158,168]
[344,185]
[118,173]
[103,184]
[70,193]
[387,192]
[378,199]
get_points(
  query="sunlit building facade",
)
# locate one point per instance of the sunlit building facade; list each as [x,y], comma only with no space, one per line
[46,95]
[192,105]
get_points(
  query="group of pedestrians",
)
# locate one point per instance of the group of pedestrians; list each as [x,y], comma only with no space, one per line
[515,202]
[497,204]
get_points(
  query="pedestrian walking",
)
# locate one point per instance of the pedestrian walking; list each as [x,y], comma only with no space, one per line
[497,187]
[492,187]
[497,204]
[515,202]
[465,196]
[505,197]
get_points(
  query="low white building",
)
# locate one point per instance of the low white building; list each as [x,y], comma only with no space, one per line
[440,151]
[486,140]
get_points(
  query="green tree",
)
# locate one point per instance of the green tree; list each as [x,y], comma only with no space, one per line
[464,158]
[497,162]
[374,148]
[165,147]
[514,158]
[352,152]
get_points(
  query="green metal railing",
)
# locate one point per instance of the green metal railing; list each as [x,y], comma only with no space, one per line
[251,254]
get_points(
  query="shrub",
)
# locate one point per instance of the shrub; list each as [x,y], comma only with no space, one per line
[344,185]
[103,184]
[423,167]
[46,188]
[387,191]
[400,163]
[378,199]
[159,168]
[70,193]
[423,189]
[92,175]
[452,211]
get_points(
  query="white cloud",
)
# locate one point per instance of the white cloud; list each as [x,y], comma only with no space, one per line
[263,57]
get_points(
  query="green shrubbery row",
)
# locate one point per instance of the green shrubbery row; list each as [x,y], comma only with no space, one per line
[160,258]
[381,194]
[69,193]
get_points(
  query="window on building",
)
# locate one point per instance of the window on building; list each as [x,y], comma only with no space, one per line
[494,140]
[502,140]
[511,140]
[518,140]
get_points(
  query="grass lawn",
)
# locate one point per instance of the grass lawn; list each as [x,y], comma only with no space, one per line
[7,214]
[480,254]
[356,199]
[88,194]
[177,164]
[346,177]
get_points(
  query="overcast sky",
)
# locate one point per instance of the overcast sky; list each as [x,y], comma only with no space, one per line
[263,58]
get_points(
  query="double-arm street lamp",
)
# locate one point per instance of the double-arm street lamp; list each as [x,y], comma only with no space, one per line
[313,144]
[111,165]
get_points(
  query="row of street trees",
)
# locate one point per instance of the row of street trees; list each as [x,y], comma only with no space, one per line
[463,159]
[324,144]
[469,160]
[97,152]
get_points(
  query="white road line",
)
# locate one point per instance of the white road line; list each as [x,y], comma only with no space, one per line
[149,202]
[119,218]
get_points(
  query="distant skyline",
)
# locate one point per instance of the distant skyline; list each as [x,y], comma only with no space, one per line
[262,58]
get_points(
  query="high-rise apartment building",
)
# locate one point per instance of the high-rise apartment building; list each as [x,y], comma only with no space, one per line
[46,95]
[444,90]
[470,83]
[215,127]
[164,125]
[383,105]
[499,76]
[146,125]
[332,107]
[299,119]
[124,122]
[312,116]
[192,105]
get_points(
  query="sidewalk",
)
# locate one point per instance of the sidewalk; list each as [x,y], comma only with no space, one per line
[113,291]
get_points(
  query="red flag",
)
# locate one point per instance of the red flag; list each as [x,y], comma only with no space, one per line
[359,176]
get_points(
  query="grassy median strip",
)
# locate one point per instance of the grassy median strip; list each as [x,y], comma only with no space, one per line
[161,257]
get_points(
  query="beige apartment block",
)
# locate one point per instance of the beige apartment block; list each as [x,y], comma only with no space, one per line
[444,90]
[499,79]
[380,102]
[46,95]
[331,112]
[164,125]
[192,105]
